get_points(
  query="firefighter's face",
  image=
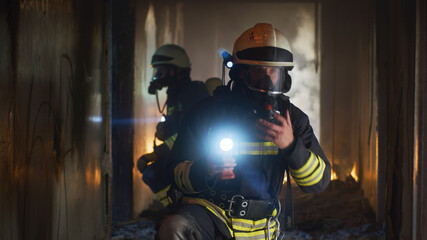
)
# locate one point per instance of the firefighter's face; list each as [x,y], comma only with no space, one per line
[164,75]
[264,78]
[163,71]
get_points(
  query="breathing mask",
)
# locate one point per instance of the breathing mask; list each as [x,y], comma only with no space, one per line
[266,84]
[161,78]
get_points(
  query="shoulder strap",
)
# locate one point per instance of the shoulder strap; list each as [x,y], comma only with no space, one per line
[288,204]
[288,201]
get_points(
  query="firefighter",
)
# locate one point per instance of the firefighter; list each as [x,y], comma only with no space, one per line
[212,83]
[171,70]
[233,150]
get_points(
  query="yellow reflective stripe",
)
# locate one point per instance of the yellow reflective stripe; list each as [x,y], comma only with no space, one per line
[258,148]
[313,178]
[171,110]
[252,233]
[309,164]
[256,235]
[162,193]
[250,225]
[171,140]
[166,201]
[182,176]
[257,144]
[187,182]
[177,172]
[243,152]
[218,212]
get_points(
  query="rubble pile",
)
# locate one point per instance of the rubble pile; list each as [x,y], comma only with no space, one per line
[142,229]
[339,212]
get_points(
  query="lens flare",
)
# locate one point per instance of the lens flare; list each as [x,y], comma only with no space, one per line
[226,144]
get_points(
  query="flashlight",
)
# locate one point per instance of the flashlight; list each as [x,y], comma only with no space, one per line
[226,144]
[228,59]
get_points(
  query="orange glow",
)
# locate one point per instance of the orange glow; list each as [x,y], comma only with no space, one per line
[416,171]
[354,174]
[333,175]
[285,179]
[93,175]
[376,154]
[97,178]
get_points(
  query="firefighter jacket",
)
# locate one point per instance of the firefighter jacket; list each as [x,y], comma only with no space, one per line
[259,173]
[179,99]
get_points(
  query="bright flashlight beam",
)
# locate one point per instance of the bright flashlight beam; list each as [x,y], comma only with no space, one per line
[229,64]
[226,144]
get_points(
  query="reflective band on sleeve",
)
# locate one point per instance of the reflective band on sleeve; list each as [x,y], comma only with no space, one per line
[162,193]
[315,176]
[182,177]
[257,148]
[163,197]
[166,201]
[308,167]
[170,141]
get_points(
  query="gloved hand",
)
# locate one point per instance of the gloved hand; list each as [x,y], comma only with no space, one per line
[223,167]
[146,160]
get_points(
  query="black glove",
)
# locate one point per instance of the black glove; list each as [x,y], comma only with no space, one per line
[146,160]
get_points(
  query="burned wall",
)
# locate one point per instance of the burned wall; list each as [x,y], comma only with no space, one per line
[396,41]
[348,92]
[54,144]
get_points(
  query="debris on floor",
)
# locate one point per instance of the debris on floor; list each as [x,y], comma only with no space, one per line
[136,230]
[339,212]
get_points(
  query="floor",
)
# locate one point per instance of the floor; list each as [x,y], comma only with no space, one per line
[339,212]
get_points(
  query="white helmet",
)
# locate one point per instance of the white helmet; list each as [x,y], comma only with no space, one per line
[263,45]
[171,54]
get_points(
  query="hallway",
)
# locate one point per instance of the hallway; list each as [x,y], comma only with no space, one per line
[75,114]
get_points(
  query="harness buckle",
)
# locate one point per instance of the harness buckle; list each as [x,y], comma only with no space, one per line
[230,211]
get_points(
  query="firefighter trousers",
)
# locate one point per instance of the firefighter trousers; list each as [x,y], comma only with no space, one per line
[189,222]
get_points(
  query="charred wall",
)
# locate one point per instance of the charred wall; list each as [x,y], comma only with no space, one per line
[54,157]
[348,91]
[396,80]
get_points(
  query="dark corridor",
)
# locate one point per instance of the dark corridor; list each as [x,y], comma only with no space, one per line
[75,114]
